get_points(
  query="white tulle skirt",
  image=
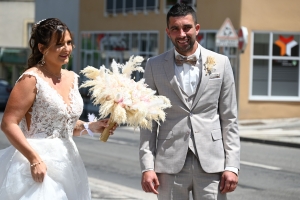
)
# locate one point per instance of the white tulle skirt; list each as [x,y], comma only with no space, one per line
[66,175]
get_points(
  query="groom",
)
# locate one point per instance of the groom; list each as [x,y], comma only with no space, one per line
[197,148]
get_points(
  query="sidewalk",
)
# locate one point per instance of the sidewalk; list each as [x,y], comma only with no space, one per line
[282,132]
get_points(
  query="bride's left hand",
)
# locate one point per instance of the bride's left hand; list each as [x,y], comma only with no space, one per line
[100,125]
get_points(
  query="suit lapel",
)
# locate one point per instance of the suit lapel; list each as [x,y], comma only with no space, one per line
[170,72]
[204,79]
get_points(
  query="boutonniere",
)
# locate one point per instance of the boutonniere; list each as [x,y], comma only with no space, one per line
[209,65]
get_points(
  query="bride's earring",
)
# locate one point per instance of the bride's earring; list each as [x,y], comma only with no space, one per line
[42,62]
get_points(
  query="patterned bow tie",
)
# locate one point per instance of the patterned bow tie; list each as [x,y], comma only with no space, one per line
[179,60]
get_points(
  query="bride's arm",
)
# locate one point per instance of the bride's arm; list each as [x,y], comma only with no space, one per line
[95,127]
[19,103]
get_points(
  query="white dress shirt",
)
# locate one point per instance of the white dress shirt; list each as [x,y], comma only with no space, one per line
[188,75]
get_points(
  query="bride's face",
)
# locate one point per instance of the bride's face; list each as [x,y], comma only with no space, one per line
[58,53]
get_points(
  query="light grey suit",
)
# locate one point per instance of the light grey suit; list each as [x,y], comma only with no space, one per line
[212,118]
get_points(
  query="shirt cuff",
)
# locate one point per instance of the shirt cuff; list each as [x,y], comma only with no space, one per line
[147,170]
[233,169]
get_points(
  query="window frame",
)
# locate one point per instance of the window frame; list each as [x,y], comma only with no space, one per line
[90,50]
[269,58]
[134,10]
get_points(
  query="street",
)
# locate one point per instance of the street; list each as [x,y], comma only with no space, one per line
[267,172]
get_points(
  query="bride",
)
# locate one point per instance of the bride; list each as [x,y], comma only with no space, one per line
[40,119]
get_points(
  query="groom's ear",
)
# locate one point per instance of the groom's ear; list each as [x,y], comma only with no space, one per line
[168,31]
[197,27]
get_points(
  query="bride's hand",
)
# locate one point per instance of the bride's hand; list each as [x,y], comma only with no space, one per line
[100,125]
[38,171]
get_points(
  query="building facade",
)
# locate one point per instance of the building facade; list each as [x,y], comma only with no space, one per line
[16,20]
[267,71]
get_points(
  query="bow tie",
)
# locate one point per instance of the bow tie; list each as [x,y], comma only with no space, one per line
[179,60]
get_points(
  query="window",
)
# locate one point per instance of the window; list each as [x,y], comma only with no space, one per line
[110,6]
[100,48]
[275,66]
[139,5]
[129,6]
[125,6]
[29,26]
[170,3]
[119,6]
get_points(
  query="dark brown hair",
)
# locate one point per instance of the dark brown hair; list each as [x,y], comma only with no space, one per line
[179,10]
[42,33]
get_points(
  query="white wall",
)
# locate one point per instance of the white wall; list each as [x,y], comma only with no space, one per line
[65,10]
[13,23]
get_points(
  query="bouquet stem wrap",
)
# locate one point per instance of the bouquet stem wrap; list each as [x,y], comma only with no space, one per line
[105,134]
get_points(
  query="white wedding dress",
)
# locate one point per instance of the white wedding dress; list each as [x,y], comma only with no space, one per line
[50,134]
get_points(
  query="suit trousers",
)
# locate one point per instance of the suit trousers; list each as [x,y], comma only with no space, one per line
[204,186]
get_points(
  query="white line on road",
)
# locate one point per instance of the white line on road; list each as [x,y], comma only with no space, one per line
[260,165]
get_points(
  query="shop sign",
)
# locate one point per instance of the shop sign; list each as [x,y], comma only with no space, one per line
[285,46]
[226,36]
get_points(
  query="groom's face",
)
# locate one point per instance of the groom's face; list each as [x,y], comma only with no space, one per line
[182,31]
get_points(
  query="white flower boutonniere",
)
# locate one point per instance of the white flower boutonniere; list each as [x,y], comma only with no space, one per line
[209,65]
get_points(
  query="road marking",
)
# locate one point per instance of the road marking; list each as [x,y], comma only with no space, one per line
[260,165]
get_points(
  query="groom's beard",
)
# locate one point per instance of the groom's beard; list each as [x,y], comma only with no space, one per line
[185,49]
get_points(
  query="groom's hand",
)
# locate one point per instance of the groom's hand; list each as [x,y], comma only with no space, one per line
[150,182]
[228,182]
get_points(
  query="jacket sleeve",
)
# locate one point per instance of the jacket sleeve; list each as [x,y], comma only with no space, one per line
[228,118]
[147,149]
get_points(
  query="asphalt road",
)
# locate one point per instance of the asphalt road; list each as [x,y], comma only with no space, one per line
[267,172]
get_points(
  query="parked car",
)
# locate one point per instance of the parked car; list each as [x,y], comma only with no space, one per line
[5,89]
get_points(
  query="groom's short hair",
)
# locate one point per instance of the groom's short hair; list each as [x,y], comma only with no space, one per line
[181,9]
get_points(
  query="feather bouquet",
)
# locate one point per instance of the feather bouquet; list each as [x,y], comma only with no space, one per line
[125,100]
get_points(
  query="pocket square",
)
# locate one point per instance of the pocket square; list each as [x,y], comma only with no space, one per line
[214,75]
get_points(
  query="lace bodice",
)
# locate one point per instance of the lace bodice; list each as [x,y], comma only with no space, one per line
[51,117]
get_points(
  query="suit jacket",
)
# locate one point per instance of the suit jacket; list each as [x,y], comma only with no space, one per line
[212,118]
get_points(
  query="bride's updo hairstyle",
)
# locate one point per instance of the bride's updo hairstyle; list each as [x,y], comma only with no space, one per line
[42,33]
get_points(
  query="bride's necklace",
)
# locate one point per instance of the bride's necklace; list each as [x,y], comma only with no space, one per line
[56,76]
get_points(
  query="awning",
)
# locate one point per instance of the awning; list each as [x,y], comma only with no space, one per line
[14,55]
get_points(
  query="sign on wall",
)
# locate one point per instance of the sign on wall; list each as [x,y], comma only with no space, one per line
[226,36]
[243,38]
[285,46]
